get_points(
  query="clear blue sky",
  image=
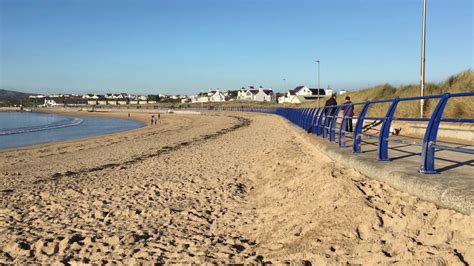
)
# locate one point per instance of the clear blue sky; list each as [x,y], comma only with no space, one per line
[185,46]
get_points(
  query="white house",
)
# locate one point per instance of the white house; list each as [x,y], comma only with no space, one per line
[142,98]
[51,102]
[341,92]
[115,96]
[193,98]
[328,91]
[217,96]
[64,101]
[90,96]
[263,95]
[253,94]
[245,94]
[302,94]
[36,96]
[202,97]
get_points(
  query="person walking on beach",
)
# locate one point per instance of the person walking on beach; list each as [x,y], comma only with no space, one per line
[330,111]
[156,120]
[348,104]
[152,119]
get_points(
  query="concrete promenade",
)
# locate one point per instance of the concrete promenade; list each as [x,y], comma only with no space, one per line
[452,188]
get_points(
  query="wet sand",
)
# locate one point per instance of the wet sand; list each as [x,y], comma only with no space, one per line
[212,188]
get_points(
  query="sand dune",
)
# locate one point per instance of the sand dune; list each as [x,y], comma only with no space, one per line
[212,188]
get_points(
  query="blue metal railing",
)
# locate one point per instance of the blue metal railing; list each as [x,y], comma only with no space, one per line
[323,122]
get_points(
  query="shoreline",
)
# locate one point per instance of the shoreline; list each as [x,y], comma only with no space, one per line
[140,118]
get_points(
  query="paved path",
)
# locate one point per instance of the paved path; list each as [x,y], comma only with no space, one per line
[452,188]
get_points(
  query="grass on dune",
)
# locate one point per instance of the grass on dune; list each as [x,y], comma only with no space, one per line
[456,107]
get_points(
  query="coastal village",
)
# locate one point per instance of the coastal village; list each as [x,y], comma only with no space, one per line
[297,95]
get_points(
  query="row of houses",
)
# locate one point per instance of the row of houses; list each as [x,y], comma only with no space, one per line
[213,95]
[117,102]
[244,94]
[258,95]
[79,101]
[299,94]
[115,96]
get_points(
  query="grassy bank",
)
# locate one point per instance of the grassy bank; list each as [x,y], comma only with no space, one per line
[457,107]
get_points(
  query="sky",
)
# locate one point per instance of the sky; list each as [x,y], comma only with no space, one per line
[188,46]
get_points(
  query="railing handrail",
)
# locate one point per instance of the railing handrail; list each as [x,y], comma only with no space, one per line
[323,122]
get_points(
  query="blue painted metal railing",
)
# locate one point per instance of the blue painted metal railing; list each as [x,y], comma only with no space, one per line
[323,122]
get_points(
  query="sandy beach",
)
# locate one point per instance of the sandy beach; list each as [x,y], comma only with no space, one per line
[212,188]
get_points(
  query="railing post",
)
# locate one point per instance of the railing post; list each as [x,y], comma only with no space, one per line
[428,150]
[303,114]
[305,120]
[357,139]
[324,133]
[332,128]
[309,121]
[311,126]
[319,126]
[385,131]
[297,116]
[342,130]
[326,127]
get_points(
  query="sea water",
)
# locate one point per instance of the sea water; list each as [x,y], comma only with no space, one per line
[18,129]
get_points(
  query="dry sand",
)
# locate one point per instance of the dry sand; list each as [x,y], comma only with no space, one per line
[212,188]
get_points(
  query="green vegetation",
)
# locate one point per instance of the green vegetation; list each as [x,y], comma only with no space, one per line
[456,107]
[25,102]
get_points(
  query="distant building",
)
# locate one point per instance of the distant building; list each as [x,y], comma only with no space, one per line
[51,102]
[202,97]
[245,94]
[90,96]
[302,94]
[263,95]
[64,101]
[36,96]
[328,91]
[217,96]
[142,98]
[252,94]
[213,95]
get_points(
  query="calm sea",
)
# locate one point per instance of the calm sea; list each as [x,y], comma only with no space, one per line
[19,129]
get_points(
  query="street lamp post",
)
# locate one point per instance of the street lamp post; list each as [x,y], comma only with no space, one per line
[284,101]
[422,74]
[319,79]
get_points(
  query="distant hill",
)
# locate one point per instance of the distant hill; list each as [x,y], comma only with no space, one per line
[6,95]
